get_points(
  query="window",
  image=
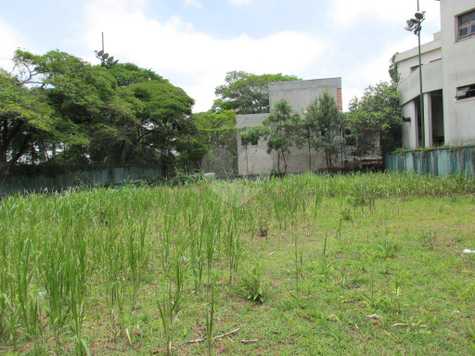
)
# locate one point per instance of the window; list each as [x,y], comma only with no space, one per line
[414,68]
[466,92]
[466,25]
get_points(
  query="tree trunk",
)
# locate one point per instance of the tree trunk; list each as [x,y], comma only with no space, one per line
[285,162]
[309,157]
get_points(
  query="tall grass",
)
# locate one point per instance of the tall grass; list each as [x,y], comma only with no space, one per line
[63,257]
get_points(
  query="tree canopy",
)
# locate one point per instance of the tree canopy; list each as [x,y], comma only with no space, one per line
[322,127]
[246,93]
[280,132]
[60,108]
[379,110]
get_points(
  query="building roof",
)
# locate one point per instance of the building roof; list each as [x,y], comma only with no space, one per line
[303,84]
[434,45]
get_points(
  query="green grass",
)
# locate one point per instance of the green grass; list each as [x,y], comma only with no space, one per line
[364,264]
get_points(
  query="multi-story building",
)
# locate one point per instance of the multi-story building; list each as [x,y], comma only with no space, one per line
[448,71]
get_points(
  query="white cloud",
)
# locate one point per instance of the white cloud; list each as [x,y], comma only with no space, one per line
[346,13]
[194,3]
[192,59]
[241,2]
[9,42]
[372,72]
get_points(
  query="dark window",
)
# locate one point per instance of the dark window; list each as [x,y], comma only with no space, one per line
[466,92]
[466,25]
[414,68]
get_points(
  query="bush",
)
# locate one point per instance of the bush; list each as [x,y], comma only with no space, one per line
[251,286]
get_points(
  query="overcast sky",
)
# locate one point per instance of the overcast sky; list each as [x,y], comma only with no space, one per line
[195,42]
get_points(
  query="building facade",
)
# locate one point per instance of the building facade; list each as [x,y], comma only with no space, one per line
[448,70]
[255,160]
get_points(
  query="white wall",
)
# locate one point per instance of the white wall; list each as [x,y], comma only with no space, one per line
[409,129]
[409,84]
[253,160]
[431,51]
[459,70]
[455,69]
[432,80]
[301,94]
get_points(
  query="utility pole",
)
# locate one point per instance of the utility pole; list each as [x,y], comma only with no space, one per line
[415,25]
[421,89]
[103,45]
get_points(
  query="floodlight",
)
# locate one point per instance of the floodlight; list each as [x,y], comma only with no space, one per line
[420,15]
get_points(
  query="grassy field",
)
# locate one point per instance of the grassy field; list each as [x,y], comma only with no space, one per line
[365,264]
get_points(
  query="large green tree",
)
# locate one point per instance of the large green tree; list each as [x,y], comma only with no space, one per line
[379,110]
[246,93]
[27,124]
[215,138]
[125,114]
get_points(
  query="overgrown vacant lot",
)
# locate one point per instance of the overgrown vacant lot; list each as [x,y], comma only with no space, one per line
[366,264]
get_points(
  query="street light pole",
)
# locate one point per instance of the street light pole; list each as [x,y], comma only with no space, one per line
[415,25]
[421,89]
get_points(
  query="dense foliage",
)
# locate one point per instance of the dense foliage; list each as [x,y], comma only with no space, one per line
[215,131]
[60,110]
[247,93]
[322,128]
[379,110]
[280,132]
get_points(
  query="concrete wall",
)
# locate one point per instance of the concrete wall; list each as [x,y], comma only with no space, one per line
[448,63]
[459,70]
[409,129]
[301,94]
[407,60]
[84,178]
[255,160]
[220,161]
[437,162]
[432,80]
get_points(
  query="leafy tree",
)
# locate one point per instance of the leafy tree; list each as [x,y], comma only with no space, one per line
[164,119]
[216,129]
[27,124]
[378,110]
[215,134]
[128,73]
[127,114]
[280,132]
[81,95]
[394,70]
[246,93]
[322,127]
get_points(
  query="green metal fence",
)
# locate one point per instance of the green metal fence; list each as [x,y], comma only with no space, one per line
[438,162]
[87,178]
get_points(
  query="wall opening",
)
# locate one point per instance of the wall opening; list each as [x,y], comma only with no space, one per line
[437,111]
[419,130]
[466,92]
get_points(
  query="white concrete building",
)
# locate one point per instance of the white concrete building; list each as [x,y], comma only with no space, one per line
[448,69]
[255,160]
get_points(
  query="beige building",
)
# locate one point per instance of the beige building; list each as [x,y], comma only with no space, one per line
[255,160]
[448,69]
